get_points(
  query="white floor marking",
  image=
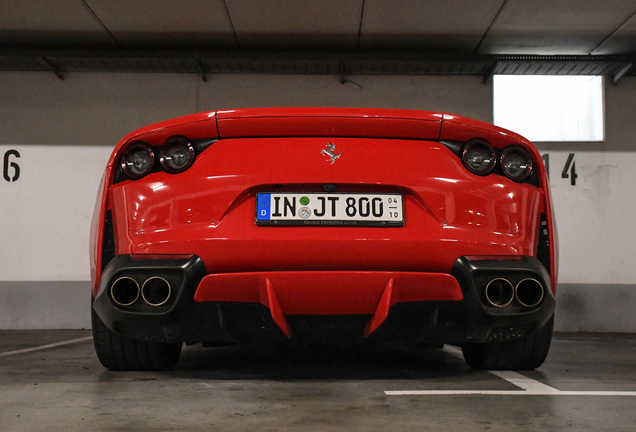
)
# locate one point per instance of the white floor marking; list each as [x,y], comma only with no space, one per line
[454,351]
[529,386]
[47,346]
[505,393]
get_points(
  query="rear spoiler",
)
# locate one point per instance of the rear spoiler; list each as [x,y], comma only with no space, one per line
[326,122]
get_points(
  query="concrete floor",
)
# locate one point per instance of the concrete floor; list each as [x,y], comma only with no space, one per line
[64,388]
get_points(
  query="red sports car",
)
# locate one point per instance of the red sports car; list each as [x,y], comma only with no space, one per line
[358,225]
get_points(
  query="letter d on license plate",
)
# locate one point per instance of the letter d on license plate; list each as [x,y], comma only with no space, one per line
[329,209]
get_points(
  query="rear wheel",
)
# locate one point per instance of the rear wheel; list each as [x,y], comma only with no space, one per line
[121,353]
[520,354]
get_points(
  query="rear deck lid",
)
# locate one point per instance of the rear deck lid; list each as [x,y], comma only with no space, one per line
[324,122]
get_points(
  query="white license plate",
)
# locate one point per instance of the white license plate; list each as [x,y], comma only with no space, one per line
[329,209]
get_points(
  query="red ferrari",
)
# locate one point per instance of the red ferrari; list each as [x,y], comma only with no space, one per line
[357,225]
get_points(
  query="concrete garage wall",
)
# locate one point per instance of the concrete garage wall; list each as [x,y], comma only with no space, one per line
[595,218]
[64,131]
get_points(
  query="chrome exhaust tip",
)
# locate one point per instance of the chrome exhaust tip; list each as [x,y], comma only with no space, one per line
[124,291]
[156,291]
[499,292]
[529,292]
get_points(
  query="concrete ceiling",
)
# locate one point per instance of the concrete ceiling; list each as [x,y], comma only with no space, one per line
[420,37]
[451,26]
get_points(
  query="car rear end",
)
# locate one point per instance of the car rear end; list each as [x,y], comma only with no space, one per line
[270,224]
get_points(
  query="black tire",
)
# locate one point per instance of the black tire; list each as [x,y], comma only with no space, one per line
[120,353]
[520,354]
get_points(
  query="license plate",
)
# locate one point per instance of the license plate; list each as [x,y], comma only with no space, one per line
[329,209]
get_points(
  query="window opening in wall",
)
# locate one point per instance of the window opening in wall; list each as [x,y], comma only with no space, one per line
[550,108]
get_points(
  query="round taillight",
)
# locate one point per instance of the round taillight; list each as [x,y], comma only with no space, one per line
[479,157]
[516,163]
[177,155]
[137,160]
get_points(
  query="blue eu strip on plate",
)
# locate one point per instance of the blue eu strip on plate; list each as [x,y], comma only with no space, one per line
[263,212]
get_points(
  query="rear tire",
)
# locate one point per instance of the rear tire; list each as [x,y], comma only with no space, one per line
[120,353]
[520,354]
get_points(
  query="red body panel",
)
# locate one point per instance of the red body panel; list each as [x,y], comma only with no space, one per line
[209,209]
[342,122]
[462,128]
[328,293]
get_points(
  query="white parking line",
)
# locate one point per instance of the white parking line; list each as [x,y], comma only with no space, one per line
[454,351]
[47,346]
[529,386]
[505,393]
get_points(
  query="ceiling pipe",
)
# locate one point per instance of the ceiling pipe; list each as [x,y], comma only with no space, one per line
[62,62]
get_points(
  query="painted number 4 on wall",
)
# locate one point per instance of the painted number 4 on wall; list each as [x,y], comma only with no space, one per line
[570,166]
[10,168]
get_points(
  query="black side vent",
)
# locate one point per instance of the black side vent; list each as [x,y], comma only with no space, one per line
[108,245]
[543,248]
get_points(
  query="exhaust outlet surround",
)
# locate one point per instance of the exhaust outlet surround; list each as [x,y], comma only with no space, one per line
[529,292]
[124,291]
[500,292]
[156,291]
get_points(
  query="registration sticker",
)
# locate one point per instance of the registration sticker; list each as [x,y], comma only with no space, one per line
[329,209]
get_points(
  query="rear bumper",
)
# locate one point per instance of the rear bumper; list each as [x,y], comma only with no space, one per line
[328,293]
[372,305]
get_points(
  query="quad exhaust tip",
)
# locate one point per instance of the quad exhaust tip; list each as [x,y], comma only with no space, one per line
[156,291]
[500,292]
[529,292]
[124,291]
